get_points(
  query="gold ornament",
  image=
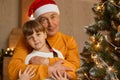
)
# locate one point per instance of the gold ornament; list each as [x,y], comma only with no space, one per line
[100,8]
[92,38]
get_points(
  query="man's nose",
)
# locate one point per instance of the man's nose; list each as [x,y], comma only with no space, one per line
[49,22]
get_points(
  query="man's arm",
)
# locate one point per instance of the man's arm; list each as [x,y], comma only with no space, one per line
[16,65]
[18,62]
[72,59]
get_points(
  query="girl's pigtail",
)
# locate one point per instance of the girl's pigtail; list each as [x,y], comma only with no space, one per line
[51,50]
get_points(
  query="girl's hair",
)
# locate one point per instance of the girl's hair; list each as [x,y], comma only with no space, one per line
[31,25]
[51,50]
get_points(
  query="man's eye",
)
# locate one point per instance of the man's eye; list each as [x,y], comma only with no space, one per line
[52,17]
[43,20]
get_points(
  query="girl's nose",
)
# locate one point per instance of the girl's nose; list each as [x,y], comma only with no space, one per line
[34,39]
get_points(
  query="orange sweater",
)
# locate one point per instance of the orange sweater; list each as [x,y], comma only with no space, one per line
[64,43]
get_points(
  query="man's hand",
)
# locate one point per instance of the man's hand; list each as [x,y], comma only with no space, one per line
[37,60]
[58,68]
[61,77]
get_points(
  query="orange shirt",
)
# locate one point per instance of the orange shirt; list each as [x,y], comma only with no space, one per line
[64,43]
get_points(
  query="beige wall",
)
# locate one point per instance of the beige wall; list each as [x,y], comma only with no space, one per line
[75,14]
[9,18]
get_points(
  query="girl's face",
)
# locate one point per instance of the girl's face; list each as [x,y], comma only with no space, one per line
[37,40]
[50,21]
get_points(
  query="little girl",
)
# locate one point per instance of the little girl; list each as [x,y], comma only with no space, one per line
[35,35]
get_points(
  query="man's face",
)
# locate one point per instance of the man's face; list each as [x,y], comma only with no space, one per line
[50,21]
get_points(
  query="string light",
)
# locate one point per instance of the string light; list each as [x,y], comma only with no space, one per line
[96,60]
[116,76]
[8,49]
[86,76]
[110,69]
[12,49]
[98,45]
[112,1]
[6,52]
[111,43]
[98,8]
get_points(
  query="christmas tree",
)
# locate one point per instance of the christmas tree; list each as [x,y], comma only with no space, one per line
[101,54]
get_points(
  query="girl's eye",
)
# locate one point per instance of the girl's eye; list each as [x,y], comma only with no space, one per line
[38,34]
[29,37]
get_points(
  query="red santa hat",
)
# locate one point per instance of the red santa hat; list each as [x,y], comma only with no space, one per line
[39,7]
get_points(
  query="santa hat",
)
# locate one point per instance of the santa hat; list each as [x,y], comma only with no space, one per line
[39,7]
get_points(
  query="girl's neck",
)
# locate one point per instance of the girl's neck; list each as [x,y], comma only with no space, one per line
[45,48]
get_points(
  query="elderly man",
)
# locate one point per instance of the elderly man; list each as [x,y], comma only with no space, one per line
[47,13]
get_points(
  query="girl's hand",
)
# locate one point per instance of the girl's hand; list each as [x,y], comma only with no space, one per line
[27,74]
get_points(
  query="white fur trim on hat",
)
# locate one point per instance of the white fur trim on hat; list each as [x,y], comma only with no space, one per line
[46,8]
